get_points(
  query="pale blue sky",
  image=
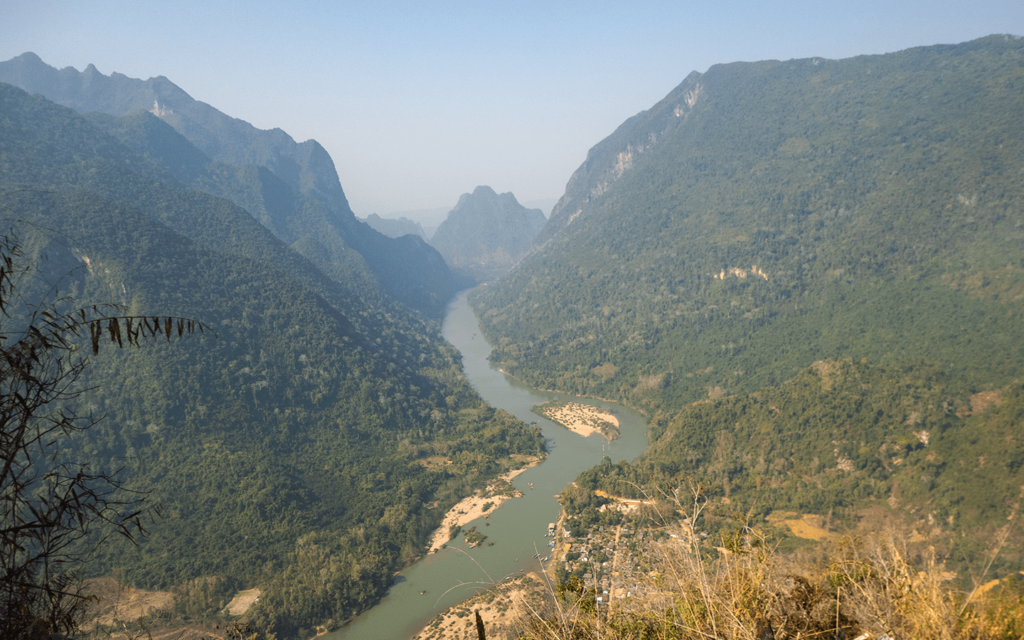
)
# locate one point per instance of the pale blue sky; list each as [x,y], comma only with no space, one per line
[420,102]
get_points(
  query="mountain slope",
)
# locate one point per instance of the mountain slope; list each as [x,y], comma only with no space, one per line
[292,188]
[305,426]
[767,215]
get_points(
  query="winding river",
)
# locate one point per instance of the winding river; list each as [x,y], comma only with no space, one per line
[518,527]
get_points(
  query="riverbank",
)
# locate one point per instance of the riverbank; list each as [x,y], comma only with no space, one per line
[481,504]
[505,609]
[441,580]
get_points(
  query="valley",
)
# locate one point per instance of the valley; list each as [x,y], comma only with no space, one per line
[761,366]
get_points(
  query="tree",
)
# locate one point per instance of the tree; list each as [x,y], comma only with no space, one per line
[48,503]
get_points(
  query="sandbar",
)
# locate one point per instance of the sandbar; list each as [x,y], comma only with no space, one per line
[471,508]
[583,419]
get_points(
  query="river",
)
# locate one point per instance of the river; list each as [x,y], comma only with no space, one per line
[517,528]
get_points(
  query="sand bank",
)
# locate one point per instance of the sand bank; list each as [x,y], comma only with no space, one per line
[242,601]
[583,419]
[471,508]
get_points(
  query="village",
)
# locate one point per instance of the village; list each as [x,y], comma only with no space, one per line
[614,562]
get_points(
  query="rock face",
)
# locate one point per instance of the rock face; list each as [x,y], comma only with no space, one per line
[486,234]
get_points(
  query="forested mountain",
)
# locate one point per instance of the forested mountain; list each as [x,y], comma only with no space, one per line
[291,188]
[811,275]
[313,429]
[767,215]
[486,234]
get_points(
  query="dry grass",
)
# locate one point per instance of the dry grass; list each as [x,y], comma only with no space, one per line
[734,588]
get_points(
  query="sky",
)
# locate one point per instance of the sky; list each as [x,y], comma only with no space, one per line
[420,102]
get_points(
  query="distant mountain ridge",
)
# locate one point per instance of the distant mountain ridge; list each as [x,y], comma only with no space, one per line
[395,227]
[486,234]
[305,167]
[292,188]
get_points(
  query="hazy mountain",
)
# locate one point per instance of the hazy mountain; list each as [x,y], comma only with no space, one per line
[486,234]
[298,430]
[305,167]
[292,188]
[395,228]
[766,215]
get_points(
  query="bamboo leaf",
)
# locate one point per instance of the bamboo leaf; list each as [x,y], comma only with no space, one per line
[94,333]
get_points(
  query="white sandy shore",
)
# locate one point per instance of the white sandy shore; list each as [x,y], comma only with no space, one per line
[583,419]
[471,508]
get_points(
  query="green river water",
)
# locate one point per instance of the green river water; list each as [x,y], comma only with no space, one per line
[518,527]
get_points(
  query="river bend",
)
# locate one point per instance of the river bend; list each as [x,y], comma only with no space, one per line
[518,527]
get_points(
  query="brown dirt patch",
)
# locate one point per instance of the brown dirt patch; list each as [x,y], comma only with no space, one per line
[807,526]
[982,400]
[123,603]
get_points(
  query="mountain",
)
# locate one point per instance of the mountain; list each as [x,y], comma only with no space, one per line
[307,431]
[292,188]
[764,216]
[810,275]
[393,228]
[304,167]
[486,234]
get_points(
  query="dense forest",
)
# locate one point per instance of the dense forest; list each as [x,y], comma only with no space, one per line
[810,275]
[839,436]
[314,427]
[767,215]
